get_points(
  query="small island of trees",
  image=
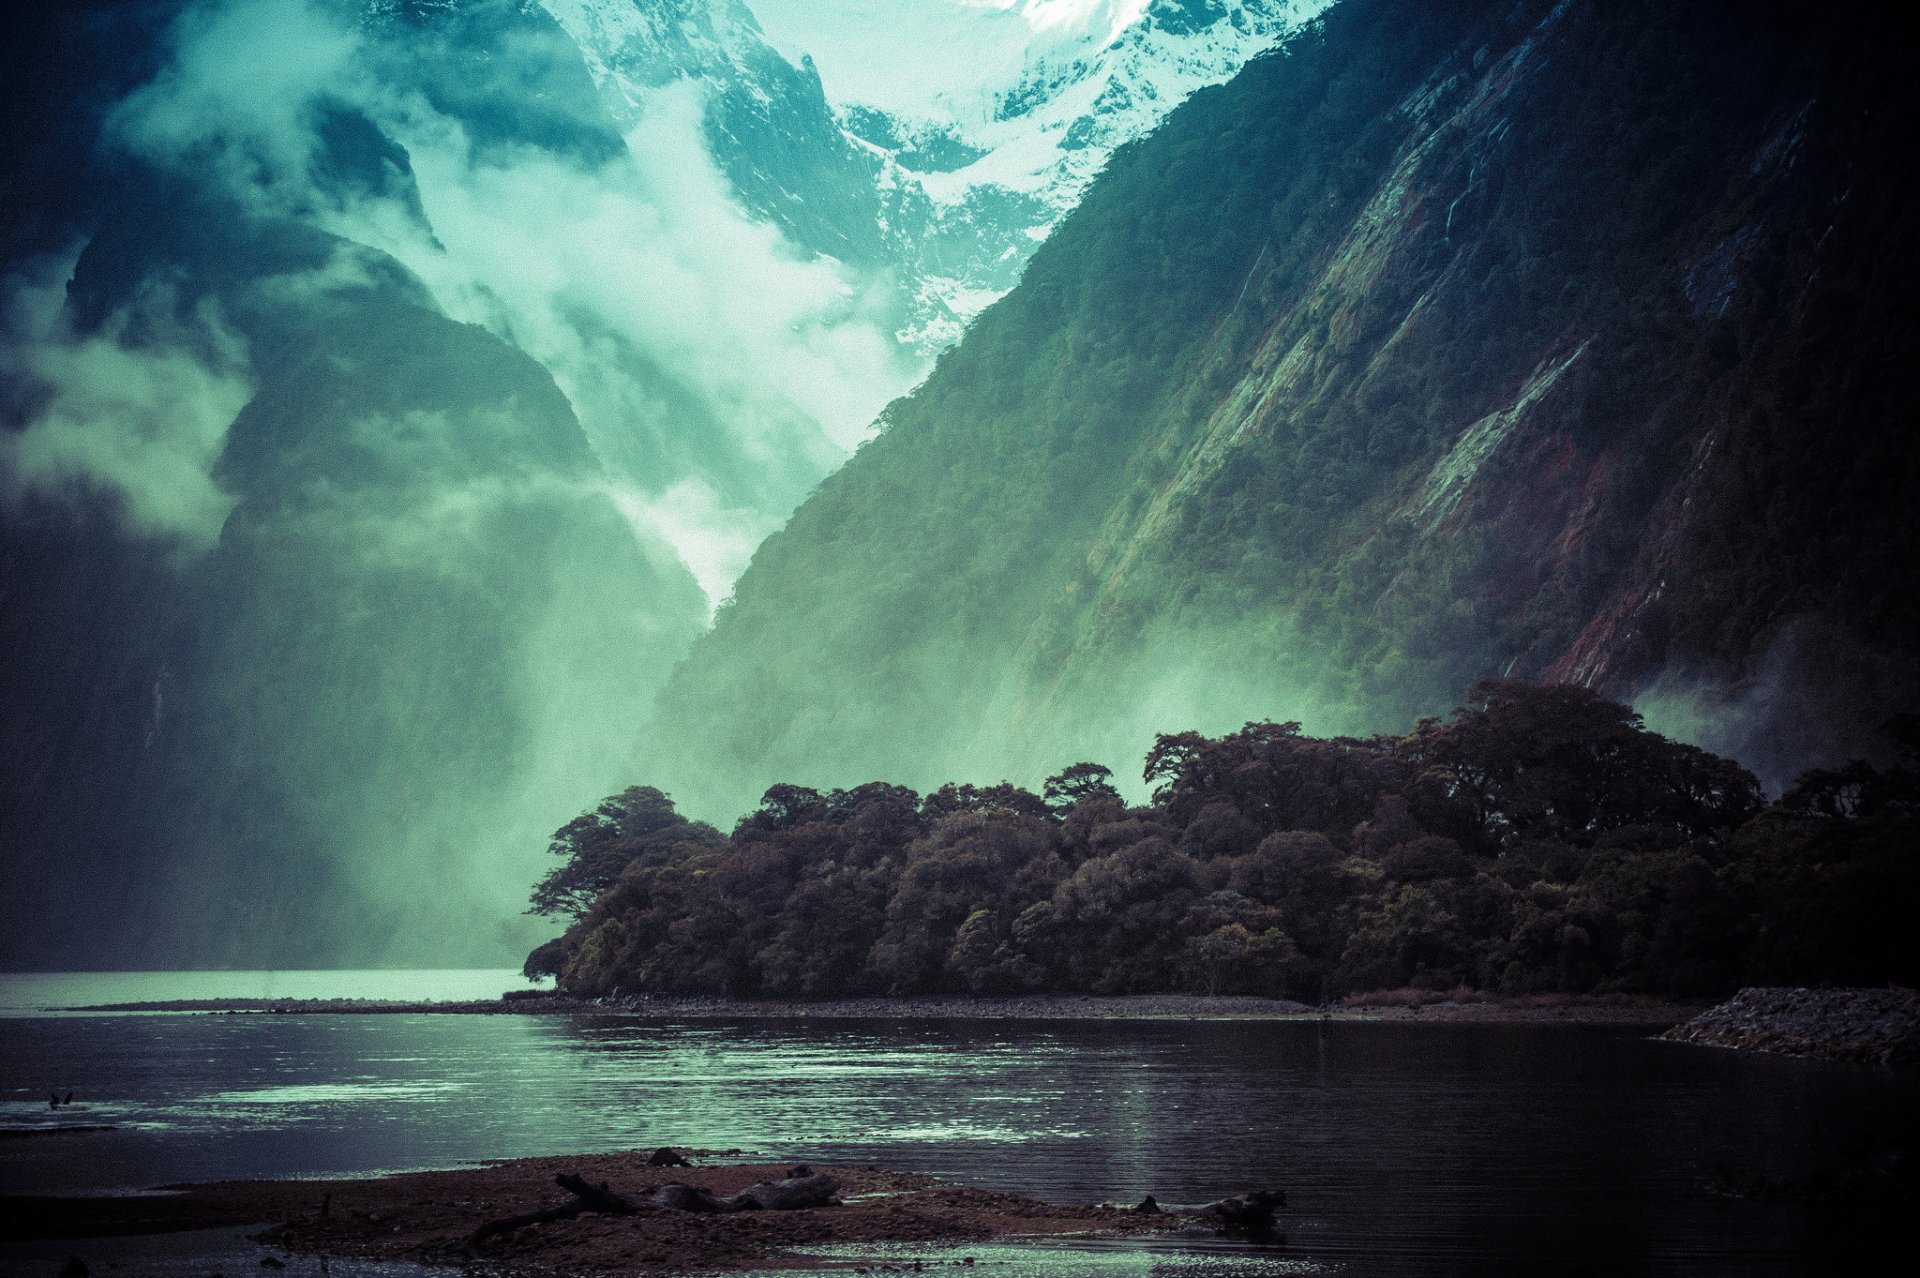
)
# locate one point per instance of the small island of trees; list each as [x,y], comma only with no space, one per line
[1540,839]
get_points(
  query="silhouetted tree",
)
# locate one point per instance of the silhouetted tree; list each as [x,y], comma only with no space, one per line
[1081,781]
[596,846]
[1541,839]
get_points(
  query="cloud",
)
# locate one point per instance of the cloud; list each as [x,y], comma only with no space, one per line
[719,371]
[714,541]
[662,310]
[236,97]
[145,423]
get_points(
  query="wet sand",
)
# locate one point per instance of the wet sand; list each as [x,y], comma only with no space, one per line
[427,1217]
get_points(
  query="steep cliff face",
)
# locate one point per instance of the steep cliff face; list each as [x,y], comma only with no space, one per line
[940,141]
[1567,341]
[388,388]
[311,680]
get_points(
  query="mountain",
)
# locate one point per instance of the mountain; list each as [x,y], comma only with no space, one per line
[320,601]
[1561,341]
[939,140]
[390,388]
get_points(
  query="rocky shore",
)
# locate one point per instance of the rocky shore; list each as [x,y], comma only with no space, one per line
[1865,1026]
[436,1217]
[1391,1005]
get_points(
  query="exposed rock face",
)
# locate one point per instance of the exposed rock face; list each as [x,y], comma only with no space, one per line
[1581,356]
[952,195]
[1868,1026]
[445,513]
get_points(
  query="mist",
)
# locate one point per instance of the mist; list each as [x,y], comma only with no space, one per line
[719,370]
[143,421]
[1815,697]
[455,406]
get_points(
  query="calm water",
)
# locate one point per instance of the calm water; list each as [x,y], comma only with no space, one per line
[1403,1148]
[36,991]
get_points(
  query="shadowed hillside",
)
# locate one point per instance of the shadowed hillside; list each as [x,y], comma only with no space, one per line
[1565,341]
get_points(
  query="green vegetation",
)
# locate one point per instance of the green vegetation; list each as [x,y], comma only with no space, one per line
[1540,839]
[1565,341]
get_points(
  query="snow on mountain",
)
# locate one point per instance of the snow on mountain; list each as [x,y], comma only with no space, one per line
[940,138]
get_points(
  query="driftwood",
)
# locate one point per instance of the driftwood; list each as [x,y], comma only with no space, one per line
[792,1194]
[679,1197]
[806,1189]
[586,1197]
[1249,1214]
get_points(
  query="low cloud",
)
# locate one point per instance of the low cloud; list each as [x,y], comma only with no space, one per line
[237,96]
[719,371]
[676,325]
[144,423]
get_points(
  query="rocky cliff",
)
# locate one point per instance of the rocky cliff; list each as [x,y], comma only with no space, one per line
[1565,341]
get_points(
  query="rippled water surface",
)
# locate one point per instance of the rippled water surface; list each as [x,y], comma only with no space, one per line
[1403,1148]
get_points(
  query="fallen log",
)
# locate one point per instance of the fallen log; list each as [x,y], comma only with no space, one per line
[795,1193]
[1249,1214]
[597,1197]
[792,1194]
[586,1197]
[681,1197]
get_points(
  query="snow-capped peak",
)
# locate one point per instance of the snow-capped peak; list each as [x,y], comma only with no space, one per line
[977,123]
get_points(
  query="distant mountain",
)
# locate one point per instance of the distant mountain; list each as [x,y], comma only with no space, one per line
[319,601]
[390,388]
[1566,341]
[940,139]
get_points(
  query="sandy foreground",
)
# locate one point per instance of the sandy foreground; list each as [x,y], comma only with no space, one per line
[428,1217]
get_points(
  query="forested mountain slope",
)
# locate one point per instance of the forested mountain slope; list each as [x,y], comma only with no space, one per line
[388,389]
[1561,341]
[308,682]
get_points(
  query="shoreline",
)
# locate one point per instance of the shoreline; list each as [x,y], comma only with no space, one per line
[1857,1026]
[1437,1008]
[431,1217]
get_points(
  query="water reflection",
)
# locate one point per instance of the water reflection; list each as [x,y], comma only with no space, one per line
[1404,1146]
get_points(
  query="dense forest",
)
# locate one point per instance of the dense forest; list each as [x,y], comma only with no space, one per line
[1571,341]
[1539,839]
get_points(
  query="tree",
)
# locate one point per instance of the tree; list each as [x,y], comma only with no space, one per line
[1003,797]
[1277,778]
[1562,762]
[598,845]
[1080,781]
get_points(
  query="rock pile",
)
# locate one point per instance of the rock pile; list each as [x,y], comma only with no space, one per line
[1867,1026]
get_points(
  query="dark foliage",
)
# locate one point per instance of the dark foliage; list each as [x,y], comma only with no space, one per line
[1539,839]
[1566,340]
[599,845]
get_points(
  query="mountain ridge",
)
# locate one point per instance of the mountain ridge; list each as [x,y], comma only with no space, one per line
[1457,398]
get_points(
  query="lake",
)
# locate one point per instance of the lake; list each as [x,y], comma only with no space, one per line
[1403,1148]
